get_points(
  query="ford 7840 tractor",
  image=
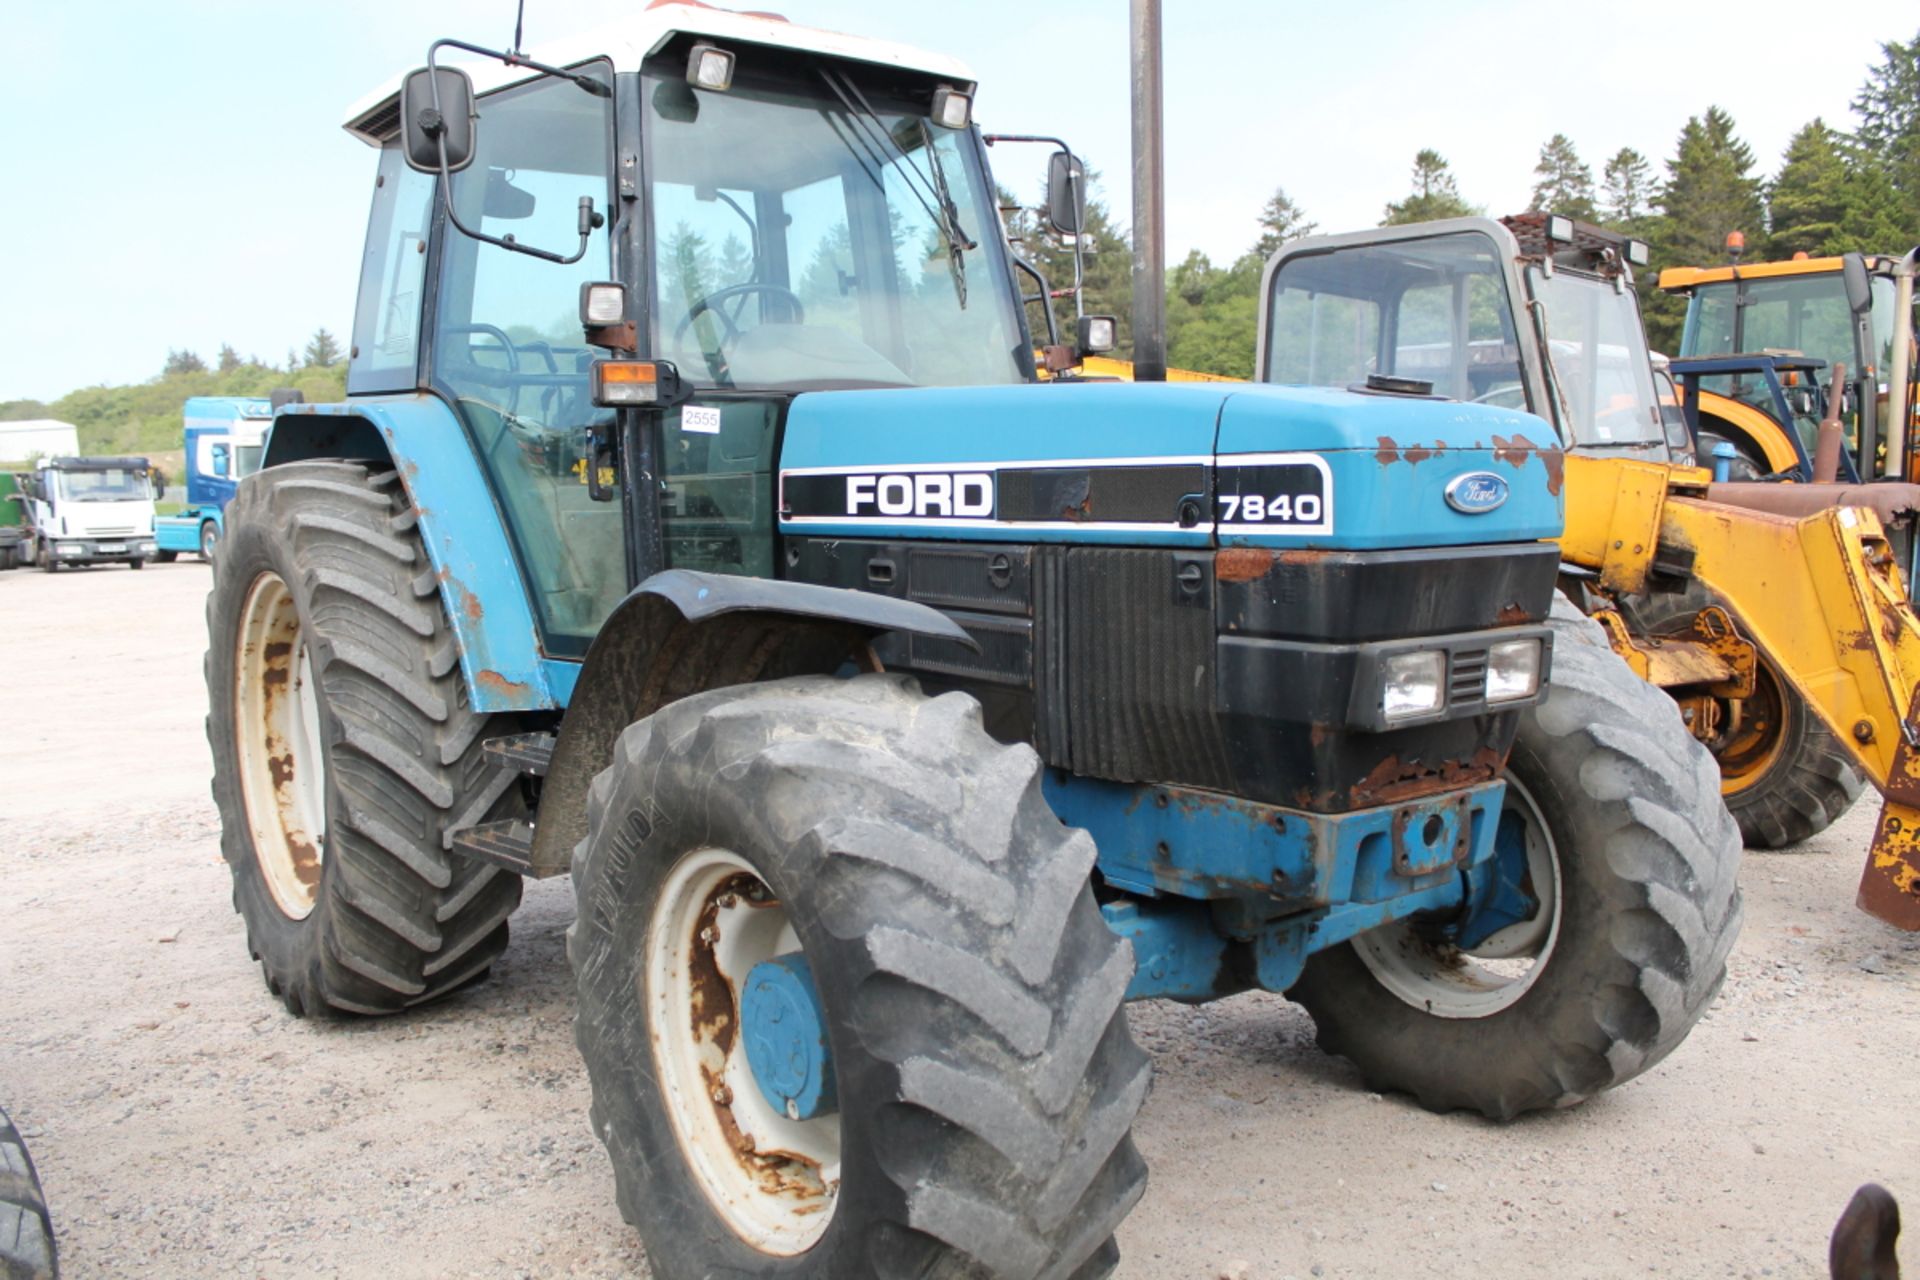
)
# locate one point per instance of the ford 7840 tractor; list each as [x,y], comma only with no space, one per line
[696,523]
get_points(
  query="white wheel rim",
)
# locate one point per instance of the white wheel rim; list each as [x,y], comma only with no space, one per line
[774,1180]
[1450,983]
[283,772]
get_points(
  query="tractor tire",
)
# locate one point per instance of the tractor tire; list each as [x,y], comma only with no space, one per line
[961,974]
[1792,781]
[344,750]
[26,1231]
[1616,806]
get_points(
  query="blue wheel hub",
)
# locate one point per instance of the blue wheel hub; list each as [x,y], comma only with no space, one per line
[1499,891]
[785,1033]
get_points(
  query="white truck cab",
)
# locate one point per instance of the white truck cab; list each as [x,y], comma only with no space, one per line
[90,511]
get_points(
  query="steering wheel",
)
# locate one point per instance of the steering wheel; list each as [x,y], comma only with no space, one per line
[713,300]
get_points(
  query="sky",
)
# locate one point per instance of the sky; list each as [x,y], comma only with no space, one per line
[175,175]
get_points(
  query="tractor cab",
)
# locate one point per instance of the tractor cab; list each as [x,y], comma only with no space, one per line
[1534,312]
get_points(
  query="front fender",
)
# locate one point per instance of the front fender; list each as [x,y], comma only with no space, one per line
[460,524]
[663,643]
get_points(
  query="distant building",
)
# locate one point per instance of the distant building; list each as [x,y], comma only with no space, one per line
[37,436]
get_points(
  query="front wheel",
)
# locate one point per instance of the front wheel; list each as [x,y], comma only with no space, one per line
[845,999]
[209,538]
[1615,830]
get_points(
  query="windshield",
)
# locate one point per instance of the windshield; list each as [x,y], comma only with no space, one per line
[818,233]
[1600,362]
[1435,309]
[113,484]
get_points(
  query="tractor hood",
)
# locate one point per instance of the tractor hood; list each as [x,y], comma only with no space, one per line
[1184,464]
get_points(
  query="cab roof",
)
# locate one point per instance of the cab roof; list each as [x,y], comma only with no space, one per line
[1678,279]
[630,41]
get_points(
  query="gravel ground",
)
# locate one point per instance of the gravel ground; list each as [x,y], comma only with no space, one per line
[185,1125]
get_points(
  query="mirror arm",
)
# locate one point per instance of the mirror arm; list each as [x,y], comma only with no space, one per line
[436,128]
[1079,232]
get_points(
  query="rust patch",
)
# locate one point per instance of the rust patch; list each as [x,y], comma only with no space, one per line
[1418,453]
[1079,511]
[493,682]
[1302,556]
[1389,452]
[1242,564]
[1515,450]
[1394,780]
[471,606]
[1512,615]
[281,769]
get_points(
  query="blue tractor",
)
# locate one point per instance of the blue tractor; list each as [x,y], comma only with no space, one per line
[223,438]
[697,523]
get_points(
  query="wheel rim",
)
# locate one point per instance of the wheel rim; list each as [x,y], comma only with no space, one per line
[774,1180]
[283,771]
[1751,751]
[1449,982]
[208,536]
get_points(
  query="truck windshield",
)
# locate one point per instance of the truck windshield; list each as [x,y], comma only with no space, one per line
[1600,361]
[112,484]
[1434,308]
[1805,313]
[813,232]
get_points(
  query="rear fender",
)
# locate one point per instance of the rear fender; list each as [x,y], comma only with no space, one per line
[468,549]
[680,633]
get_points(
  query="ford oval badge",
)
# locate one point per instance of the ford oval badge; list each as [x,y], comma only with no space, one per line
[1476,493]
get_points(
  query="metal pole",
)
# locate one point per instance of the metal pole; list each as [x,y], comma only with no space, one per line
[1149,200]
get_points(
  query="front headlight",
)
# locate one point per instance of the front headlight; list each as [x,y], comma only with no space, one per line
[1413,684]
[1513,670]
[147,546]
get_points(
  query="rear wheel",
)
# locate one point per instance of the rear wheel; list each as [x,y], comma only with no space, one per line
[136,564]
[344,751]
[845,999]
[1785,776]
[1615,828]
[26,1230]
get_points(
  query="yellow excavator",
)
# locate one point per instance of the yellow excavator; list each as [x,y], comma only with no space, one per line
[1775,614]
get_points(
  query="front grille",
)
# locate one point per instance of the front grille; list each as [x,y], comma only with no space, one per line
[1467,681]
[112,533]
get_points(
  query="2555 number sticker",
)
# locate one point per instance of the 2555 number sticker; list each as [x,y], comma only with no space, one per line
[1283,493]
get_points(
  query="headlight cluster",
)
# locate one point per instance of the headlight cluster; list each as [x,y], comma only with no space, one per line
[1419,682]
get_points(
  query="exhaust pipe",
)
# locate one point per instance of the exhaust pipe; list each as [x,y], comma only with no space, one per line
[1149,200]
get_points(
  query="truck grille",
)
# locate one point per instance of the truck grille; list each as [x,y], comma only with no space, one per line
[126,532]
[1467,682]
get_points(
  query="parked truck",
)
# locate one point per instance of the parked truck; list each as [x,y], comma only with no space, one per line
[87,511]
[900,716]
[223,438]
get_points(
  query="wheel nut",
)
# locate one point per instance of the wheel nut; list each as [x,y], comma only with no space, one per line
[1863,731]
[723,1095]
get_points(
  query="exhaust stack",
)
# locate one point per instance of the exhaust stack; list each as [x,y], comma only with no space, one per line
[1149,199]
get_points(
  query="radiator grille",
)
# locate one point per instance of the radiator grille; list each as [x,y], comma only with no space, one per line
[1467,681]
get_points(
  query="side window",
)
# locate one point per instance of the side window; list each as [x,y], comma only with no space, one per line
[509,352]
[386,322]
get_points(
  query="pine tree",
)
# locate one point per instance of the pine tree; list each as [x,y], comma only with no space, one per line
[1562,183]
[323,350]
[1626,189]
[1435,194]
[1281,220]
[1888,109]
[293,359]
[1809,201]
[1709,192]
[229,359]
[183,362]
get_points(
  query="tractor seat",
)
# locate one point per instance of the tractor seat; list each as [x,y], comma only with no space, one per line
[1893,503]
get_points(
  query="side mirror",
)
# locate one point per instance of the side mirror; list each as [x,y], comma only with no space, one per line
[220,467]
[158,479]
[1066,194]
[427,128]
[1853,270]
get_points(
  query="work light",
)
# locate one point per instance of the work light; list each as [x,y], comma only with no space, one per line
[1096,334]
[1638,254]
[710,67]
[952,109]
[602,304]
[1559,228]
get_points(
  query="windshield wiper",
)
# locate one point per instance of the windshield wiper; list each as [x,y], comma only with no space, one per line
[932,193]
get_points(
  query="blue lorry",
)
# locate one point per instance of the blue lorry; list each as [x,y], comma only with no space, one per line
[224,436]
[697,522]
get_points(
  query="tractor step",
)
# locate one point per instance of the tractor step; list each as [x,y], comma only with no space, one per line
[528,753]
[508,843]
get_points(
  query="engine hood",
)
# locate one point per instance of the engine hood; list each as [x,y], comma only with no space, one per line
[107,519]
[1195,464]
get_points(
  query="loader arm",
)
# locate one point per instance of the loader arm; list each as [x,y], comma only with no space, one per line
[1820,594]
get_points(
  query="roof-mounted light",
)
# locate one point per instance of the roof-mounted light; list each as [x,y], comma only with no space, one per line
[1638,253]
[1559,228]
[952,109]
[710,67]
